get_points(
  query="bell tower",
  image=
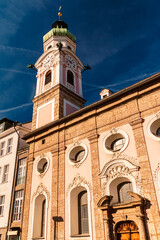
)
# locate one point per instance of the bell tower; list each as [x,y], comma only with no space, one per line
[59,86]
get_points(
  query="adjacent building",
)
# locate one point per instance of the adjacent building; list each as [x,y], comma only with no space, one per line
[93,173]
[11,134]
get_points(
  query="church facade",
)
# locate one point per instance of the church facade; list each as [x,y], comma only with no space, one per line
[93,173]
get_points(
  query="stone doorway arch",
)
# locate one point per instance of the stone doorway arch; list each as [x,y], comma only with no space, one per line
[127,230]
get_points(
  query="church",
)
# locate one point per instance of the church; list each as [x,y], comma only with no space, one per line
[93,173]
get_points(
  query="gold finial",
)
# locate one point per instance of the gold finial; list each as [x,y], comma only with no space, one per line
[59,13]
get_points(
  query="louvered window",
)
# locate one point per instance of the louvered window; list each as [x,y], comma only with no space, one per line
[48,77]
[70,77]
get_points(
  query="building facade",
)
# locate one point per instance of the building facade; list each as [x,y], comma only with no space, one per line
[11,134]
[93,172]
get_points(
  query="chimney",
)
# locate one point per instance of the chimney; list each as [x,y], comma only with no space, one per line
[105,93]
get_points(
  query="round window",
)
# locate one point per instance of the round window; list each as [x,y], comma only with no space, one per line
[158,132]
[77,154]
[116,142]
[154,128]
[42,165]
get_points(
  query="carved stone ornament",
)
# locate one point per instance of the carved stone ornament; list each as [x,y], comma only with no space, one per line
[113,130]
[77,165]
[48,62]
[77,143]
[118,171]
[40,190]
[79,181]
[118,155]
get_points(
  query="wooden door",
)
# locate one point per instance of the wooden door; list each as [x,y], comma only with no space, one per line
[127,231]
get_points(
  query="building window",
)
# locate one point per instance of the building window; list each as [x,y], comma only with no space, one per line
[123,189]
[2,148]
[118,144]
[5,173]
[158,132]
[21,171]
[9,148]
[116,140]
[79,212]
[18,201]
[78,154]
[49,46]
[48,78]
[83,213]
[70,77]
[2,200]
[43,217]
[42,165]
[39,223]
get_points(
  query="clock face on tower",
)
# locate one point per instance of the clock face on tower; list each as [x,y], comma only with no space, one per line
[70,62]
[48,61]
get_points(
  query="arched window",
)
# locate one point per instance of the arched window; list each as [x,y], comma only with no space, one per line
[83,212]
[39,217]
[79,211]
[70,77]
[122,190]
[43,218]
[48,78]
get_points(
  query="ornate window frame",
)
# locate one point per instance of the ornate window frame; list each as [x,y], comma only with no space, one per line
[76,145]
[43,156]
[152,128]
[108,137]
[79,181]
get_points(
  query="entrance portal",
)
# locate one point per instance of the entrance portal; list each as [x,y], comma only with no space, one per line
[127,230]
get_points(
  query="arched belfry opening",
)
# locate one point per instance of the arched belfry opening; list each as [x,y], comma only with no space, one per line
[127,230]
[70,77]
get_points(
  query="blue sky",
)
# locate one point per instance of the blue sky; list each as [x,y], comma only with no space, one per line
[119,39]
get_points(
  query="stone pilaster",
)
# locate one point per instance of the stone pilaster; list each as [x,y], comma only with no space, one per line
[142,229]
[99,227]
[58,190]
[146,174]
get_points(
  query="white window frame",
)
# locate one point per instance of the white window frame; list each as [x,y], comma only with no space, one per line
[2,201]
[2,148]
[9,146]
[18,203]
[5,173]
[21,171]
